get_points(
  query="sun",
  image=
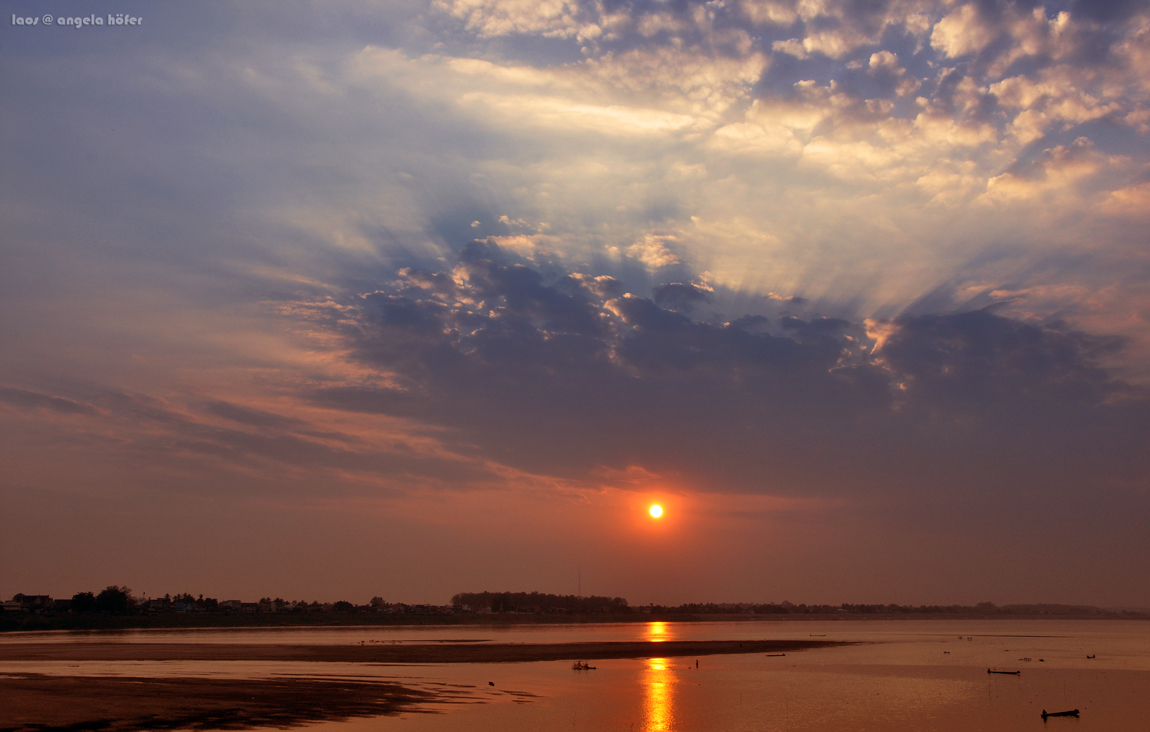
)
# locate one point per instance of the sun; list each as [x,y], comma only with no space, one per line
[656,511]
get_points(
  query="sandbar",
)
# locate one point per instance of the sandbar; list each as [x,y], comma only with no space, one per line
[398,654]
[35,702]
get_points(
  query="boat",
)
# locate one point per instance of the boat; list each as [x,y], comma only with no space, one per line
[1071,713]
[1092,656]
[582,666]
[1009,673]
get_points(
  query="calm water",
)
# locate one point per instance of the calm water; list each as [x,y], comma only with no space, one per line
[914,675]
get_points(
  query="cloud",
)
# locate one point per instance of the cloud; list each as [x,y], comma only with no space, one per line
[551,376]
[677,295]
[978,358]
[127,434]
[653,251]
[1057,170]
[26,399]
[553,18]
[1132,200]
[961,32]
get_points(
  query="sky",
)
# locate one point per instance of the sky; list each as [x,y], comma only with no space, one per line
[404,299]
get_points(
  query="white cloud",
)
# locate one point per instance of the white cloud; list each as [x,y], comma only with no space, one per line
[1055,173]
[1052,102]
[791,46]
[652,251]
[961,32]
[490,18]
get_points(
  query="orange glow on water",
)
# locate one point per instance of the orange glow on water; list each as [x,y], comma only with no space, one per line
[659,696]
[656,632]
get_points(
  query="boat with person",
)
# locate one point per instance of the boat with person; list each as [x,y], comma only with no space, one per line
[1071,713]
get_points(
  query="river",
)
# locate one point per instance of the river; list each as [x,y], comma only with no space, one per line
[903,675]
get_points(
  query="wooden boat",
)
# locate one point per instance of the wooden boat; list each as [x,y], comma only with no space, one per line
[1009,673]
[1071,713]
[1092,656]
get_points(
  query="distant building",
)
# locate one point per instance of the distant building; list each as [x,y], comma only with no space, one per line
[32,603]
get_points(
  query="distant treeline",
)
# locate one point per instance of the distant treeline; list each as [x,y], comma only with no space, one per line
[119,601]
[787,608]
[536,602]
[116,607]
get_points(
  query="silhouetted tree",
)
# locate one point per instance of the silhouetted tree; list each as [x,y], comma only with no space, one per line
[83,602]
[114,600]
[343,606]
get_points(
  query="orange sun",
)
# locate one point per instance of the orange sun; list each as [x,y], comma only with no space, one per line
[656,511]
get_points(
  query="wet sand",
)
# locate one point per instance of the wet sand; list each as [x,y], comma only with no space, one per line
[36,703]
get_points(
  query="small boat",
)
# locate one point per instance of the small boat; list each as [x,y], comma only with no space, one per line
[1008,673]
[1071,713]
[1092,656]
[582,666]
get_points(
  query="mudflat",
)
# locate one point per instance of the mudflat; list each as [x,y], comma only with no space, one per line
[398,653]
[36,703]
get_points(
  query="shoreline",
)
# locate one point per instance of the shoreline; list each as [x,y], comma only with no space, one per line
[36,623]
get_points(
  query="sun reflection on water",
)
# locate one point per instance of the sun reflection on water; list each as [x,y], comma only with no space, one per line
[656,632]
[659,696]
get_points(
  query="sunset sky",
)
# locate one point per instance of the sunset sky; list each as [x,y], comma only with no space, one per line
[403,299]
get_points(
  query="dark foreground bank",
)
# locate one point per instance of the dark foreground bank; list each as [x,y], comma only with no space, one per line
[37,703]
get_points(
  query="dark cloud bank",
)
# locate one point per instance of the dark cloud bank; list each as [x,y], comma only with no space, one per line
[574,377]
